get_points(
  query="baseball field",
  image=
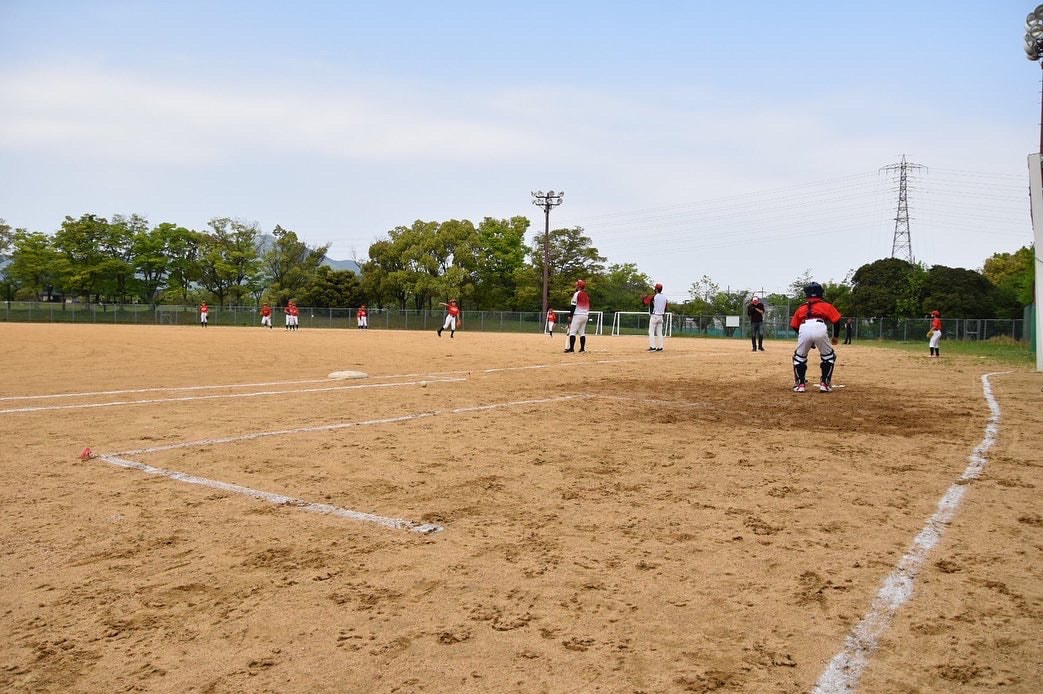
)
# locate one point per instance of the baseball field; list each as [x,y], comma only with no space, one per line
[488,514]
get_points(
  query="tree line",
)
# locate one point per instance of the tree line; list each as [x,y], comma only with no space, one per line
[487,266]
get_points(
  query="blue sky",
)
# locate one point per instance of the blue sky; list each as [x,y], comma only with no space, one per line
[743,141]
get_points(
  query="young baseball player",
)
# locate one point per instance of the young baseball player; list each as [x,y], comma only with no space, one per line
[204,314]
[657,313]
[578,315]
[266,316]
[360,317]
[812,321]
[935,334]
[294,315]
[452,318]
[552,318]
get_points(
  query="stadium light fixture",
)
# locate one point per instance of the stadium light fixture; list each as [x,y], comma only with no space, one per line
[546,201]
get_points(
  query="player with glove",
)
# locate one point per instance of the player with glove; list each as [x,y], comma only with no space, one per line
[812,321]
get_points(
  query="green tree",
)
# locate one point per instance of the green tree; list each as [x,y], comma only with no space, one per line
[1012,274]
[501,254]
[620,288]
[87,245]
[958,293]
[119,250]
[36,264]
[184,265]
[572,257]
[229,258]
[289,266]
[329,288]
[884,288]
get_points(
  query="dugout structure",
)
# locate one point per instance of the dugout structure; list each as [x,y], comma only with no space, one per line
[637,322]
[595,322]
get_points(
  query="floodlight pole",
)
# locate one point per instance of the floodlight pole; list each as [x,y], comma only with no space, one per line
[546,201]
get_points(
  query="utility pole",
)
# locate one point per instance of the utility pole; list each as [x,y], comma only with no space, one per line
[902,244]
[547,200]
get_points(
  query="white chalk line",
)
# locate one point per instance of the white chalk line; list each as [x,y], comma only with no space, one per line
[190,398]
[846,668]
[433,374]
[341,425]
[277,499]
[118,459]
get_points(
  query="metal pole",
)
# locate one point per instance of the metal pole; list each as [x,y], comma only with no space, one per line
[546,254]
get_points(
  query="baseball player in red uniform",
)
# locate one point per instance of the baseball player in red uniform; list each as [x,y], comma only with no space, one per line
[266,316]
[204,314]
[657,313]
[452,317]
[812,321]
[360,317]
[578,315]
[552,318]
[936,334]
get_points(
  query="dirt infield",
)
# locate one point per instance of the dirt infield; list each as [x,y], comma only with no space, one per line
[616,521]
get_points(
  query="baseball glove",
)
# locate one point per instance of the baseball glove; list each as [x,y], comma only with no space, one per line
[930,334]
[835,341]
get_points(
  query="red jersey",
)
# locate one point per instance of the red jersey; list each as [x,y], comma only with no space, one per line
[814,308]
[266,310]
[292,308]
[936,324]
[453,310]
[551,316]
[581,301]
[204,309]
[361,313]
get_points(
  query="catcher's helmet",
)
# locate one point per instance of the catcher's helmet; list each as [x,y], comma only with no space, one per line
[580,284]
[935,314]
[813,289]
[658,287]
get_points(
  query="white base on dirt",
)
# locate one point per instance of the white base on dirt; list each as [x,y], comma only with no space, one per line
[348,374]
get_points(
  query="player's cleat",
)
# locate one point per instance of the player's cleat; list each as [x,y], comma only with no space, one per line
[799,388]
[581,351]
[659,349]
[440,332]
[651,349]
[569,349]
[825,387]
[760,349]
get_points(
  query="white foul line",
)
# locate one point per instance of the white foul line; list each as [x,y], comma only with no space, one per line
[845,669]
[280,499]
[187,398]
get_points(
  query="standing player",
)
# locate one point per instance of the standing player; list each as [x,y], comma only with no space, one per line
[266,316]
[295,315]
[756,313]
[452,318]
[935,334]
[552,318]
[204,314]
[812,321]
[360,316]
[578,315]
[657,311]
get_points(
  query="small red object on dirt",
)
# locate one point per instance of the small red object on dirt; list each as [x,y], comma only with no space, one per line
[87,454]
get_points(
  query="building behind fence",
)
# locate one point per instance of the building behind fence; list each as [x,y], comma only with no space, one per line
[912,329]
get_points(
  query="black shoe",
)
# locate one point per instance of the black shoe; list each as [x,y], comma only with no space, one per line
[754,349]
[452,334]
[760,349]
[581,351]
[651,349]
[569,349]
[440,332]
[659,349]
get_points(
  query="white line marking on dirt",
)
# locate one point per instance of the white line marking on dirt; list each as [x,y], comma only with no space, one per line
[277,499]
[118,460]
[845,669]
[342,425]
[167,389]
[154,401]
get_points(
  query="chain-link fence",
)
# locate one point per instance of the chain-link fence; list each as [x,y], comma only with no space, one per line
[912,329]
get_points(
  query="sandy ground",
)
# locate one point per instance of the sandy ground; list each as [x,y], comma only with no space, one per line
[616,521]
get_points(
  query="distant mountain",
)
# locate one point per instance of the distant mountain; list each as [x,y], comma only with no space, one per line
[343,265]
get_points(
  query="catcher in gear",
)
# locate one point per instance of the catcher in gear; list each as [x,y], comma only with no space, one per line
[812,322]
